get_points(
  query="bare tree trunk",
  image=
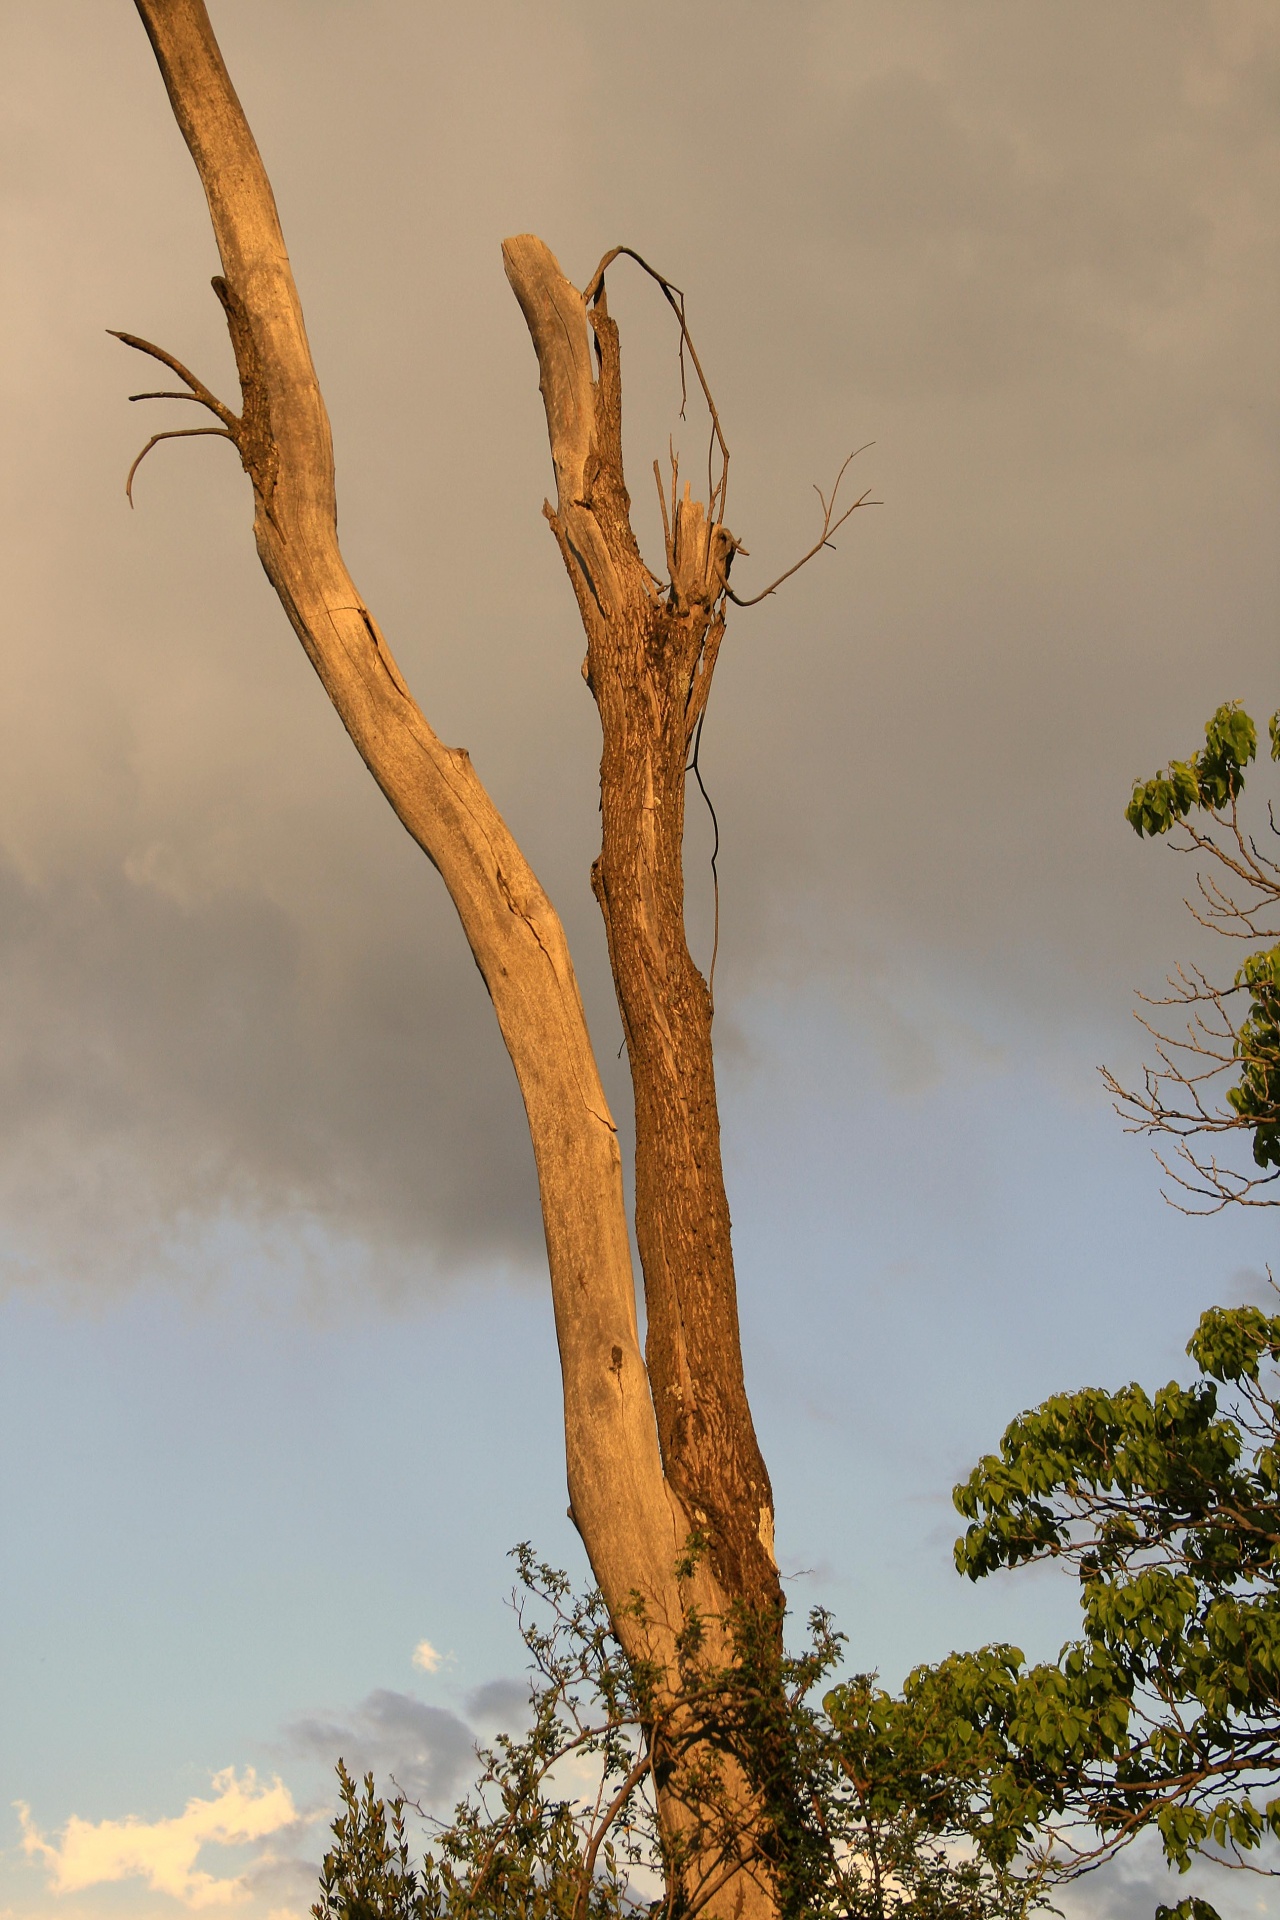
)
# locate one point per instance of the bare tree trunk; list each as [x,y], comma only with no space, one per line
[654,1457]
[651,652]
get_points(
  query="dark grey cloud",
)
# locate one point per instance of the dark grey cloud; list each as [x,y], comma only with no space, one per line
[1137,1883]
[164,1057]
[428,1751]
[500,1703]
[1030,252]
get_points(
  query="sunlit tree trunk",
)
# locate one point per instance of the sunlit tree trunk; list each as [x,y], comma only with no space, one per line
[662,1454]
[652,646]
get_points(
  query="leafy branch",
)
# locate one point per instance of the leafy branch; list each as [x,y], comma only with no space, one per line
[1229,1027]
[536,1838]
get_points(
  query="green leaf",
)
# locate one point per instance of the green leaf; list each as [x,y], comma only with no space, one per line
[1211,779]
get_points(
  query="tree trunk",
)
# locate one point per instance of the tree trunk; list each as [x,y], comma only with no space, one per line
[651,652]
[654,1456]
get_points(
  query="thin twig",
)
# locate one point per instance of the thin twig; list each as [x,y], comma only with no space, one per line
[174,433]
[199,391]
[674,297]
[829,526]
[642,1766]
[174,395]
[696,771]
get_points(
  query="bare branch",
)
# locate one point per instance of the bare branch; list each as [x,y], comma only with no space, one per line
[829,526]
[199,391]
[621,1501]
[666,521]
[643,1765]
[173,394]
[174,433]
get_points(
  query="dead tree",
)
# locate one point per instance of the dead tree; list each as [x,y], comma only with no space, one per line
[661,1451]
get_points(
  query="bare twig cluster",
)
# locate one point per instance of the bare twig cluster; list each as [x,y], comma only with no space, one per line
[715,549]
[718,488]
[199,393]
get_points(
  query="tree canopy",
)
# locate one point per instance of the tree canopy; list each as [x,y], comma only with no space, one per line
[1164,1715]
[1231,1027]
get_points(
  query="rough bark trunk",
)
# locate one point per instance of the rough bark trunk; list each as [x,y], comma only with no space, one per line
[651,653]
[640,1486]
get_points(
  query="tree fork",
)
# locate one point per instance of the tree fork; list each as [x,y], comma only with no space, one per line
[655,1456]
[633,1527]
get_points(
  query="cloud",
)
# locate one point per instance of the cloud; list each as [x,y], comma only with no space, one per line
[164,1852]
[500,1703]
[426,1657]
[428,1751]
[165,1063]
[1133,1885]
[1031,252]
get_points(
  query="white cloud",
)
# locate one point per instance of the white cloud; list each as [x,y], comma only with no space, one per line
[164,1852]
[426,1657]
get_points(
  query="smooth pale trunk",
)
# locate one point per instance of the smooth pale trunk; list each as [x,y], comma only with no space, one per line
[630,1513]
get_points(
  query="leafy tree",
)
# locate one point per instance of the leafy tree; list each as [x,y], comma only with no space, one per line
[1164,1716]
[564,1822]
[1232,1028]
[1166,1713]
[367,1874]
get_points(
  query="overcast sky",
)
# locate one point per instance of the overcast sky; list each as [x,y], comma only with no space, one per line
[268,1226]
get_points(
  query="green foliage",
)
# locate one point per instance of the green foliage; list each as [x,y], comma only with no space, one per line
[1165,1714]
[1210,780]
[904,1801]
[366,1873]
[520,1844]
[1239,895]
[1256,1096]
[563,1822]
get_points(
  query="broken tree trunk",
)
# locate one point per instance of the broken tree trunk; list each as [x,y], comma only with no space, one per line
[651,652]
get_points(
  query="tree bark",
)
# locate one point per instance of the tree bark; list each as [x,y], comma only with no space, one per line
[651,653]
[641,1484]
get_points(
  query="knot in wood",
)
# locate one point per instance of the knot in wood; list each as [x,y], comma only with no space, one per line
[254,438]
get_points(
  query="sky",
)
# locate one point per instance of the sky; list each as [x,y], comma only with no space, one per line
[278,1383]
